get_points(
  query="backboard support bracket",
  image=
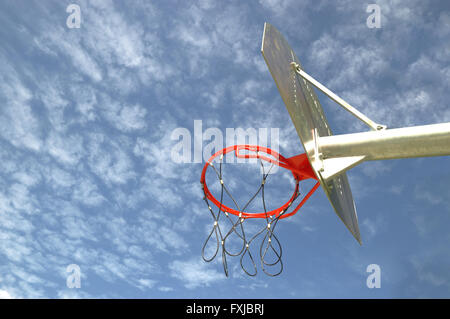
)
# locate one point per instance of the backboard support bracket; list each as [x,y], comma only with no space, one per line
[374,126]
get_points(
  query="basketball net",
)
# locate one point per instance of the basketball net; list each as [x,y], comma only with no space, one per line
[228,221]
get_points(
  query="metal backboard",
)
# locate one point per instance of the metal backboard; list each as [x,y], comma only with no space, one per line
[309,120]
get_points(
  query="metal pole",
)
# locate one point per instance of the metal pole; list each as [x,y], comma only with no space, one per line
[416,141]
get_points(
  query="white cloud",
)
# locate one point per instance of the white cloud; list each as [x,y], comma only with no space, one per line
[4,294]
[427,271]
[27,178]
[147,283]
[87,192]
[116,40]
[125,118]
[376,169]
[73,294]
[57,39]
[86,102]
[61,180]
[195,273]
[372,226]
[160,236]
[20,125]
[26,276]
[65,149]
[109,161]
[428,195]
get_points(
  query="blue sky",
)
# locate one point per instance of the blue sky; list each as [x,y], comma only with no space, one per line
[87,177]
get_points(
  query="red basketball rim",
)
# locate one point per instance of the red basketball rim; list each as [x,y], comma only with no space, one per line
[297,165]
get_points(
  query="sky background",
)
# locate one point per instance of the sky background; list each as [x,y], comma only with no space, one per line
[87,115]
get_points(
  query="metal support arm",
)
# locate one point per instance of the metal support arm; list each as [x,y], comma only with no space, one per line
[374,126]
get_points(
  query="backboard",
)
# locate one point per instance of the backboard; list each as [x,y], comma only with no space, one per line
[309,120]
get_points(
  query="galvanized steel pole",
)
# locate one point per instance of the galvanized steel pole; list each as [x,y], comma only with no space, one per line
[415,141]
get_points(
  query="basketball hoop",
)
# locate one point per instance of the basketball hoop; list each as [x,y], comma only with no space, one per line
[301,170]
[327,159]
